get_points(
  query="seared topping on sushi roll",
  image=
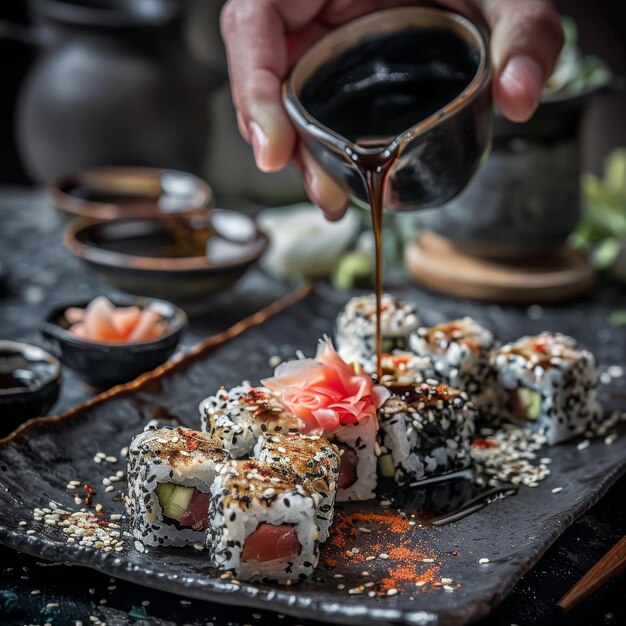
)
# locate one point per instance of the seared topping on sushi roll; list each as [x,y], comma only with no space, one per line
[430,394]
[404,367]
[550,384]
[239,416]
[465,331]
[181,446]
[309,457]
[547,350]
[252,480]
[461,354]
[356,328]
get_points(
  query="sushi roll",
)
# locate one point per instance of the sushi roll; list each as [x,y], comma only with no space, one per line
[170,472]
[308,460]
[425,430]
[550,384]
[355,334]
[461,353]
[358,450]
[262,526]
[239,416]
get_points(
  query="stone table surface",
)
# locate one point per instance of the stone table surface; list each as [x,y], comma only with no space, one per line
[41,275]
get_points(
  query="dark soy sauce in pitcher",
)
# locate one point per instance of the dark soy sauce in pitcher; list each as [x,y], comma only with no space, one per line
[376,91]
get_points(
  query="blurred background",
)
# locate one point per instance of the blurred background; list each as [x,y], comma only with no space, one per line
[601,32]
[150,88]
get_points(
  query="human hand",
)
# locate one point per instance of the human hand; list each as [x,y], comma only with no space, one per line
[265,37]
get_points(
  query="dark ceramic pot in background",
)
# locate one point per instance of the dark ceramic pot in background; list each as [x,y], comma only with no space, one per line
[526,197]
[114,85]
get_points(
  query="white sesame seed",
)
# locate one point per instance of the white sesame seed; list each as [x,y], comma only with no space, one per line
[124,451]
[583,444]
[557,489]
[610,439]
[483,561]
[116,517]
[30,532]
[145,603]
[35,592]
[111,459]
[383,555]
[106,481]
[22,523]
[341,586]
[338,576]
[186,602]
[446,581]
[420,583]
[392,592]
[119,474]
[109,489]
[428,560]
[448,588]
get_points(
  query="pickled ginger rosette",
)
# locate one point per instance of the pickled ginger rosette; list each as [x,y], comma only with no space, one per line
[337,400]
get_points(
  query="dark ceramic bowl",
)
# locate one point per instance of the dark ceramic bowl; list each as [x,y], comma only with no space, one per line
[30,381]
[179,259]
[103,365]
[107,193]
[438,155]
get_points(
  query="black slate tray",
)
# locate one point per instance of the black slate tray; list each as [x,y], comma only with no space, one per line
[37,463]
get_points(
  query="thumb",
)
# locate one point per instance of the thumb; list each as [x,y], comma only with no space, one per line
[525,43]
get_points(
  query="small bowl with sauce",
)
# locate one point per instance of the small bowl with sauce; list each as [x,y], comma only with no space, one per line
[102,358]
[107,193]
[30,381]
[182,259]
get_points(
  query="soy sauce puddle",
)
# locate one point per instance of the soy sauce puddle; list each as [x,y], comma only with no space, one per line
[444,499]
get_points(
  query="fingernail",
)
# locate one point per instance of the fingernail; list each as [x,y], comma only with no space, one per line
[259,142]
[523,74]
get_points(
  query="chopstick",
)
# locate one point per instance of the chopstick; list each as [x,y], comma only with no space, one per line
[609,566]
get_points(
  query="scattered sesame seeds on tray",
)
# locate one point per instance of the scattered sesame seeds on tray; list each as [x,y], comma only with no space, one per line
[450,570]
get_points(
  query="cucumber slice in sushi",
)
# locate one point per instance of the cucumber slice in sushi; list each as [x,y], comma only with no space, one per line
[174,499]
[526,403]
[385,466]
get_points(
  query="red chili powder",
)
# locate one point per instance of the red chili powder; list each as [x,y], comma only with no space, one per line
[389,527]
[481,443]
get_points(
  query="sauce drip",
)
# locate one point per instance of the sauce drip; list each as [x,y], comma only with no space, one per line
[374,167]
